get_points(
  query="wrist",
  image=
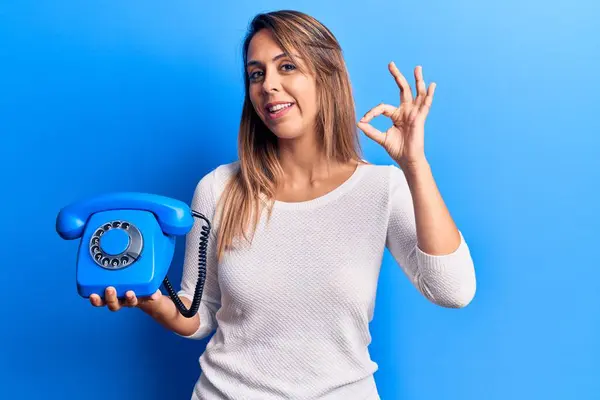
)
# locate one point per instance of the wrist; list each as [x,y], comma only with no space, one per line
[413,166]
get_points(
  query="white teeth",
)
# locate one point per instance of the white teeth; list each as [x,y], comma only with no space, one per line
[279,107]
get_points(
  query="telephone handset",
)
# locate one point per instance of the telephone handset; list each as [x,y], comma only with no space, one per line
[128,242]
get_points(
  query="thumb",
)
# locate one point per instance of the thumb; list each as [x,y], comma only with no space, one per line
[156,295]
[150,303]
[372,132]
[152,298]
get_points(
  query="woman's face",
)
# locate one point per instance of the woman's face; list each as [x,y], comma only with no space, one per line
[284,98]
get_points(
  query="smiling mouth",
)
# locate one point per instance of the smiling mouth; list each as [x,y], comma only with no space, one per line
[278,110]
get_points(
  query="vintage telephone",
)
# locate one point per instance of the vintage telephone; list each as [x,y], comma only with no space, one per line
[128,242]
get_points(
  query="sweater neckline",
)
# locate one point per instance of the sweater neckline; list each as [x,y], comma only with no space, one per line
[333,194]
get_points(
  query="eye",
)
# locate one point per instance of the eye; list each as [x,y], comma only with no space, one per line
[253,76]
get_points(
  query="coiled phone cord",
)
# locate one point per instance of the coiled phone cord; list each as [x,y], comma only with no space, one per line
[201,274]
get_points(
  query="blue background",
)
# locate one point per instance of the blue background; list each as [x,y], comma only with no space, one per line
[146,96]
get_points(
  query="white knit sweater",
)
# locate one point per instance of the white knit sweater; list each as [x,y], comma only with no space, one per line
[292,310]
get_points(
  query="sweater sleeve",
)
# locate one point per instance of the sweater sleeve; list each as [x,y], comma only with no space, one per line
[447,280]
[203,202]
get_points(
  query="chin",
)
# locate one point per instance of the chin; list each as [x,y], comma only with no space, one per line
[284,129]
[283,134]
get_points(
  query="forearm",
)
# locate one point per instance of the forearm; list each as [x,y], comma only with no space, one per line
[436,231]
[169,317]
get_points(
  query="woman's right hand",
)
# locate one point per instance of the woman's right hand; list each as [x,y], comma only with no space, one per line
[148,304]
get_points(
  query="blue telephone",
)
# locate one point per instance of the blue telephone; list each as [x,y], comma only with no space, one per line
[128,242]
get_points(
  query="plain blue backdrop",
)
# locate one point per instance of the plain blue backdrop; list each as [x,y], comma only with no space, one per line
[146,96]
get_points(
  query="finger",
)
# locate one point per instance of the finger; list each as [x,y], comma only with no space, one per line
[405,92]
[429,99]
[131,299]
[372,132]
[110,295]
[96,300]
[420,83]
[156,295]
[378,110]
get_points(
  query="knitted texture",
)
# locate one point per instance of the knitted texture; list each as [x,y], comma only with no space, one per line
[290,311]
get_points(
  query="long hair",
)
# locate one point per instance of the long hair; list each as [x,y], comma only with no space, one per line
[260,171]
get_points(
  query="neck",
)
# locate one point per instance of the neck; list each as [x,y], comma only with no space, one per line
[303,159]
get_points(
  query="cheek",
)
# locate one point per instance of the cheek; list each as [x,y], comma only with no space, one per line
[255,100]
[311,105]
[304,90]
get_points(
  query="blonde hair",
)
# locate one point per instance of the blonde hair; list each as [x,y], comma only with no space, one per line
[260,171]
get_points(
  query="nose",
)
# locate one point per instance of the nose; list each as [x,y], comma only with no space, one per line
[271,82]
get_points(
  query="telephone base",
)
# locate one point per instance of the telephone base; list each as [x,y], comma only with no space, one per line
[141,265]
[140,290]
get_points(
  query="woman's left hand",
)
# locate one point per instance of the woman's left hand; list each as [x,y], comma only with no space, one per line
[405,140]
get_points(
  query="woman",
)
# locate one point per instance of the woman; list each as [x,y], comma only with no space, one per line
[290,291]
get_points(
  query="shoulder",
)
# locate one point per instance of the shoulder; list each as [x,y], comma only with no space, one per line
[221,174]
[385,181]
[388,175]
[214,181]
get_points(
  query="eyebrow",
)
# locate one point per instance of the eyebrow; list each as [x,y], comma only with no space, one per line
[256,62]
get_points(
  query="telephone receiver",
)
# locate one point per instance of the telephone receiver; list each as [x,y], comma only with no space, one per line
[128,242]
